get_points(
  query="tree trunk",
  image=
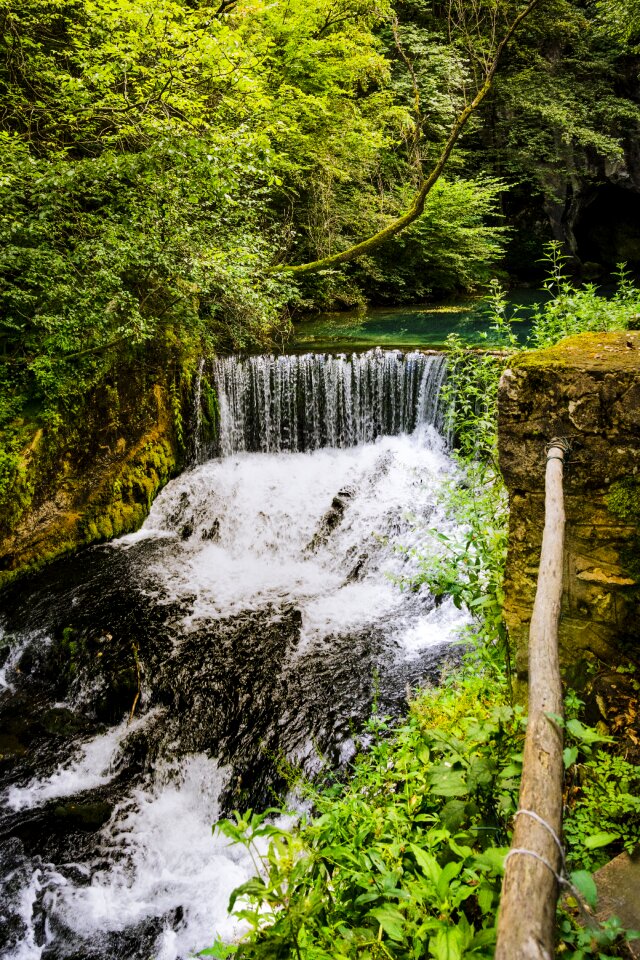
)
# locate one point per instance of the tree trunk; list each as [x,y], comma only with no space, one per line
[530,889]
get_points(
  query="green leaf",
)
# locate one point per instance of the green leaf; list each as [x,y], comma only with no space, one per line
[454,814]
[449,784]
[447,944]
[569,756]
[449,871]
[601,839]
[427,863]
[483,938]
[492,859]
[485,897]
[584,883]
[585,734]
[391,921]
[255,887]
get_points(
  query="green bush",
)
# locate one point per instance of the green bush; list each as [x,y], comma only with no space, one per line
[404,860]
[571,309]
[605,812]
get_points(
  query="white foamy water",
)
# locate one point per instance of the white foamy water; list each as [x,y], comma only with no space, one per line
[28,948]
[253,536]
[308,401]
[442,625]
[8,669]
[93,764]
[164,859]
[321,530]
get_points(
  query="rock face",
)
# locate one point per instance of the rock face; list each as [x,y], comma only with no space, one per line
[587,388]
[618,885]
[96,476]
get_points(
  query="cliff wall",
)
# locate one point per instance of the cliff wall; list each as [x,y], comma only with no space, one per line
[94,476]
[586,388]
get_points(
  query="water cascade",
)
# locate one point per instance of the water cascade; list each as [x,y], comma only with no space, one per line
[148,686]
[306,402]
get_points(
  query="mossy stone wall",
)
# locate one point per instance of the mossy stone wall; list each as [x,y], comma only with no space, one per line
[96,477]
[587,388]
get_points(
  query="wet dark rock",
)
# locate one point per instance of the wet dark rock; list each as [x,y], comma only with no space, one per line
[212,532]
[332,518]
[135,943]
[356,572]
[87,816]
[11,747]
[62,722]
[15,874]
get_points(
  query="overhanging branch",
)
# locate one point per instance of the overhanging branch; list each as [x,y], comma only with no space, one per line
[417,207]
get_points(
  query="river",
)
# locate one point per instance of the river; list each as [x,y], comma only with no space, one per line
[152,684]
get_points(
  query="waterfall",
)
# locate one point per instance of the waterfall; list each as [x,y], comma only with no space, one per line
[154,684]
[310,401]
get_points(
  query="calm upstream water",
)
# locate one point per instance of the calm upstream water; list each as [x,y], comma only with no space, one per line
[150,685]
[413,326]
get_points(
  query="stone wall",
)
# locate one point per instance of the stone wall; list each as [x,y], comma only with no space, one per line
[586,388]
[94,477]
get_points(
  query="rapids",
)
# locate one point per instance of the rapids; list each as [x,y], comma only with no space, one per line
[150,685]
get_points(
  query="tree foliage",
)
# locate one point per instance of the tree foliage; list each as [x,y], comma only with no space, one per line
[159,158]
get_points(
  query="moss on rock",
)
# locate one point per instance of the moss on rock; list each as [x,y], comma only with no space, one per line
[624,500]
[96,477]
[590,352]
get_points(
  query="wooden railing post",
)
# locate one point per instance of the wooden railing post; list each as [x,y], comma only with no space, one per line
[530,887]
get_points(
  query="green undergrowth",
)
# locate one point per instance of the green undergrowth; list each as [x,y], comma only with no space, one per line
[403,858]
[571,310]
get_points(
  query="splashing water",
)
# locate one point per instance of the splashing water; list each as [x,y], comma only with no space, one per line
[258,607]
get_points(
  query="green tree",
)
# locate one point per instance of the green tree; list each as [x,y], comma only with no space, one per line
[478,28]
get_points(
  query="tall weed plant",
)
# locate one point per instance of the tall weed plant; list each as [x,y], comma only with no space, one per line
[571,309]
[468,564]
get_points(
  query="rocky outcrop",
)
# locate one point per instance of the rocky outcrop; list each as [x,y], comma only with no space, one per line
[95,476]
[587,389]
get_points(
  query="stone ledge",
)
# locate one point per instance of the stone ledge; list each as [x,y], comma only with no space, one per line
[586,388]
[618,885]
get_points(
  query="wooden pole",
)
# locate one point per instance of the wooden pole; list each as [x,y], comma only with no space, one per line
[530,888]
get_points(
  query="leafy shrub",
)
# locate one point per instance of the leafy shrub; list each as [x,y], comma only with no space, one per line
[605,810]
[468,563]
[572,309]
[404,860]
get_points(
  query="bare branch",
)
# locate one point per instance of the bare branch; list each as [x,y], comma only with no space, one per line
[226,6]
[417,107]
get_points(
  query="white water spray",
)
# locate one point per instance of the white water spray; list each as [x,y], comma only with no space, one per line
[319,537]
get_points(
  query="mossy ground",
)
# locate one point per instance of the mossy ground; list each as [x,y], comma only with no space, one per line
[585,351]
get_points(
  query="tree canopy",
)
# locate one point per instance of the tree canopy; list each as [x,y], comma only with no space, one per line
[160,159]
